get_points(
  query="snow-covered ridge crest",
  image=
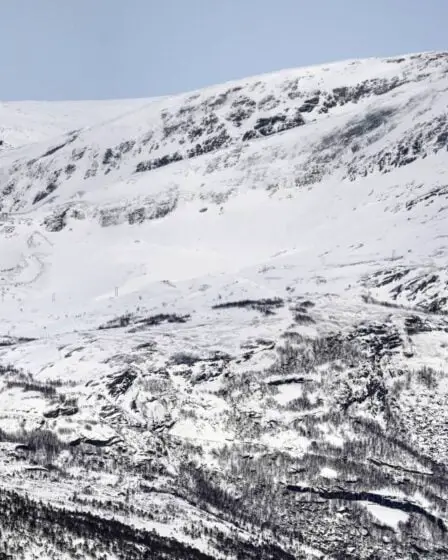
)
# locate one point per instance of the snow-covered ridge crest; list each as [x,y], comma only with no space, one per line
[228,120]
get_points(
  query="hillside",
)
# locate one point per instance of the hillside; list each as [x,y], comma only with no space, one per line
[224,319]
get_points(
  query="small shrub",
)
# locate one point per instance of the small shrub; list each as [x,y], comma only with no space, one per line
[427,377]
[184,358]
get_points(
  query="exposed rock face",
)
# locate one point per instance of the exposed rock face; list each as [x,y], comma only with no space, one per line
[57,411]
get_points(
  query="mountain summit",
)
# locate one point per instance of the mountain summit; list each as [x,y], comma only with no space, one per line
[224,319]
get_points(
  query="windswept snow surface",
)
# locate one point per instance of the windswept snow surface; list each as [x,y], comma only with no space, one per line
[211,298]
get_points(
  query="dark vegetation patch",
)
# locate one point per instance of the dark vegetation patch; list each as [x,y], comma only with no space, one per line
[209,367]
[149,346]
[52,151]
[211,144]
[429,197]
[158,162]
[57,221]
[34,442]
[264,306]
[309,104]
[78,154]
[118,322]
[308,354]
[140,323]
[221,98]
[379,339]
[424,139]
[301,312]
[428,377]
[63,410]
[72,532]
[290,380]
[153,211]
[355,131]
[385,277]
[121,382]
[426,289]
[9,369]
[322,366]
[342,95]
[160,318]
[9,188]
[155,320]
[302,318]
[137,216]
[113,156]
[385,501]
[41,195]
[208,492]
[330,151]
[414,324]
[70,169]
[438,304]
[48,388]
[241,109]
[267,126]
[13,341]
[185,359]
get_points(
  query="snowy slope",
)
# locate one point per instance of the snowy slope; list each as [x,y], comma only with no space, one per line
[218,305]
[24,123]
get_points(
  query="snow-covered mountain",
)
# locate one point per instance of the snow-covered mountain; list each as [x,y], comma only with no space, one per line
[224,319]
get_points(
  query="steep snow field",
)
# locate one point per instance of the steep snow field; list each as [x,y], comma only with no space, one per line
[218,305]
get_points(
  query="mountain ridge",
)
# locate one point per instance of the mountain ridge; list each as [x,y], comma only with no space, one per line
[224,321]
